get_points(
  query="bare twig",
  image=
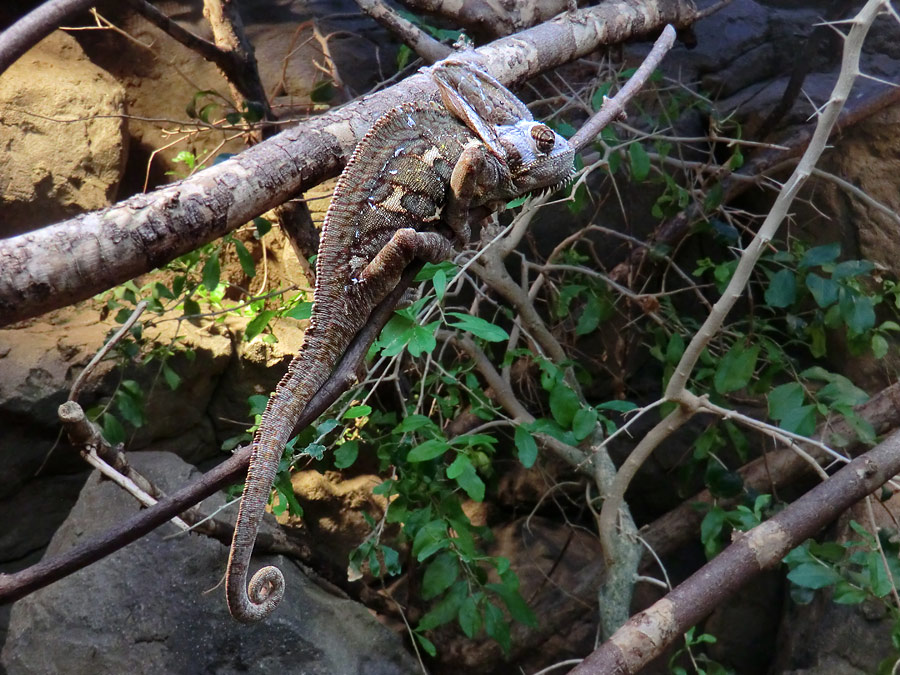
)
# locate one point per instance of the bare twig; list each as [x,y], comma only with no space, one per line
[104,350]
[614,108]
[410,34]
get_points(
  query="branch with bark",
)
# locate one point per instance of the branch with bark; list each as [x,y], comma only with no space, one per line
[78,258]
[649,633]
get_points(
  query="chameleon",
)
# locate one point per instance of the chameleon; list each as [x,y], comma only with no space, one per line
[406,193]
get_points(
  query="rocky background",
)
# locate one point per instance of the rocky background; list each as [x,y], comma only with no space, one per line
[153,607]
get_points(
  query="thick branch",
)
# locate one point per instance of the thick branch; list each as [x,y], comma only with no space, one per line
[647,634]
[75,259]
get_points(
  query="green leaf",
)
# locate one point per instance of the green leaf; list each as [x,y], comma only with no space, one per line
[813,575]
[315,450]
[526,447]
[172,378]
[263,225]
[782,290]
[478,327]
[496,626]
[346,454]
[357,411]
[430,538]
[423,641]
[415,422]
[446,610]
[518,201]
[597,97]
[113,431]
[391,560]
[395,335]
[469,617]
[824,291]
[430,449]
[852,268]
[617,406]
[736,368]
[584,423]
[858,311]
[784,399]
[639,161]
[421,339]
[246,260]
[846,594]
[821,255]
[710,528]
[211,272]
[191,307]
[674,348]
[878,577]
[596,309]
[440,575]
[131,409]
[841,391]
[258,323]
[464,473]
[564,403]
[800,420]
[300,311]
[879,346]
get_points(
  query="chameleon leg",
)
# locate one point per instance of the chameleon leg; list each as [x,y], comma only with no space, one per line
[463,182]
[383,273]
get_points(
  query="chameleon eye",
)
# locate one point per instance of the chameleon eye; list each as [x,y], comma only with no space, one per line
[543,137]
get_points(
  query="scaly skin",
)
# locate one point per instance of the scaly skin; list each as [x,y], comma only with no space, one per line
[408,187]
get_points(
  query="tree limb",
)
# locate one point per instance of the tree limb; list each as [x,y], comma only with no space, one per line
[78,258]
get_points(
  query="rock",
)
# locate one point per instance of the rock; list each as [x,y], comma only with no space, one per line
[147,608]
[49,158]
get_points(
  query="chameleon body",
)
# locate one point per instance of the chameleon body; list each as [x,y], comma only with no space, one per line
[406,193]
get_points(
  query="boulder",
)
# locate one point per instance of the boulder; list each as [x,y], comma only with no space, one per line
[157,606]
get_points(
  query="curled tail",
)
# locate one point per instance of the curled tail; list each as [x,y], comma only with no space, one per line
[250,603]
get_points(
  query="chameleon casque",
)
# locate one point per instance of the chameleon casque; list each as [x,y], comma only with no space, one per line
[406,193]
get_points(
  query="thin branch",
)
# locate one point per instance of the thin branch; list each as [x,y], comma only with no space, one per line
[614,108]
[20,584]
[104,350]
[407,32]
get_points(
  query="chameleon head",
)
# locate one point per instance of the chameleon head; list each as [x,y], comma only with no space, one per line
[537,157]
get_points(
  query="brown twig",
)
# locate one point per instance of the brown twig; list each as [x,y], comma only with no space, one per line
[407,32]
[20,584]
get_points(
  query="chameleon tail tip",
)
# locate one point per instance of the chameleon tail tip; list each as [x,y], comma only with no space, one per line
[264,592]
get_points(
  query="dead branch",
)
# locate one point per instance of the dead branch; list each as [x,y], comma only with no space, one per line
[614,108]
[20,584]
[482,18]
[647,634]
[75,259]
